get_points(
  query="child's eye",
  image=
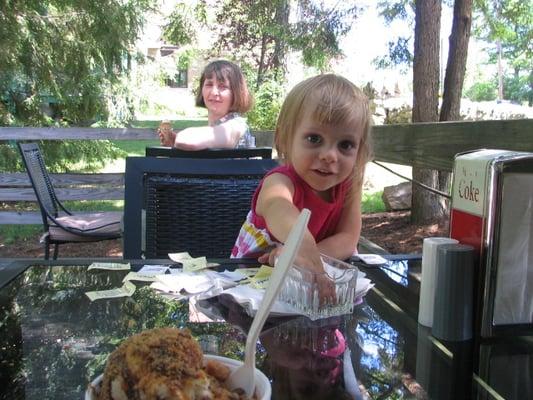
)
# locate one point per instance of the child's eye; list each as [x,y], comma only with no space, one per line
[313,139]
[346,145]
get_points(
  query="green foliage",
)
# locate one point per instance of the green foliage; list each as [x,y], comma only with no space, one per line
[268,100]
[518,89]
[66,52]
[263,32]
[482,91]
[508,25]
[370,91]
[148,91]
[179,29]
[399,50]
[509,22]
[69,155]
[372,203]
[185,56]
[400,115]
[398,9]
[399,54]
[317,31]
[119,108]
[183,23]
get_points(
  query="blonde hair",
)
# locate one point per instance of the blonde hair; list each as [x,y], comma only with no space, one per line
[331,100]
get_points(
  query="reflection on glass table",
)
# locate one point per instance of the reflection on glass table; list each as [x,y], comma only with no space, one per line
[55,340]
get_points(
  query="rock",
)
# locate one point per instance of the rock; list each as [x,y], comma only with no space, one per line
[397,197]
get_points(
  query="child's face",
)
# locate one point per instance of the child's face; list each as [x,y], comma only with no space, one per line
[324,155]
[217,95]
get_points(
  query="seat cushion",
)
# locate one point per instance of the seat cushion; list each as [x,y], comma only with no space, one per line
[92,226]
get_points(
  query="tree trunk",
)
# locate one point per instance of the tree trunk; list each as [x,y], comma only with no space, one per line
[261,68]
[456,65]
[425,205]
[454,79]
[500,71]
[426,61]
[530,95]
[280,48]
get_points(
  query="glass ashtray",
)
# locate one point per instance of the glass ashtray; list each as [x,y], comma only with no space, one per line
[300,289]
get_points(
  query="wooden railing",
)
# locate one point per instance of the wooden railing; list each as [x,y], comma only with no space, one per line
[424,145]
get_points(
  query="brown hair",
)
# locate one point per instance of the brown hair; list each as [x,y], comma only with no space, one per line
[222,70]
[331,100]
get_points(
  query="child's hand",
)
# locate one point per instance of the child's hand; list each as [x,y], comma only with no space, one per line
[308,257]
[271,257]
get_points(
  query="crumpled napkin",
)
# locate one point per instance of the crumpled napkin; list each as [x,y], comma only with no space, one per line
[185,282]
[202,284]
[362,286]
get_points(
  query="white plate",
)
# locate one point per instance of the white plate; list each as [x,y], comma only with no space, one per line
[263,388]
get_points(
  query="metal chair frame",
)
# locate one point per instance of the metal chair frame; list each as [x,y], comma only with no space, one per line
[49,203]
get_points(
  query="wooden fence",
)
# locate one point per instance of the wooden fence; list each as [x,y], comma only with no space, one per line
[424,145]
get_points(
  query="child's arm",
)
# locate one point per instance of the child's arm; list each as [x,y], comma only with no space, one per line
[343,243]
[225,135]
[274,204]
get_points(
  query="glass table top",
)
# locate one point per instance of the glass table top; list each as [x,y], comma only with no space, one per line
[54,340]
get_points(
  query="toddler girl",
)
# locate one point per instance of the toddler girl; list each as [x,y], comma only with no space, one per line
[323,141]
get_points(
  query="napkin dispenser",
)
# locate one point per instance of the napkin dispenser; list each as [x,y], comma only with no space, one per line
[492,210]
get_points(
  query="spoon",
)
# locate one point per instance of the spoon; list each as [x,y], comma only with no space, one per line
[243,377]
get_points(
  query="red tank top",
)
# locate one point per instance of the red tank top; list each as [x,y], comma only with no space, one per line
[325,215]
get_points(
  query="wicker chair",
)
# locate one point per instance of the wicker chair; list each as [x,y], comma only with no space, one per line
[193,205]
[59,224]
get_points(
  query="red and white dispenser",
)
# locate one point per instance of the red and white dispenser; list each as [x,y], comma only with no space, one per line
[492,210]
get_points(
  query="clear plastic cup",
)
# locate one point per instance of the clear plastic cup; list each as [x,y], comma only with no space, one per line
[300,289]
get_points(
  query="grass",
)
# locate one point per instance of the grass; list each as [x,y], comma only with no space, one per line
[134,147]
[372,203]
[137,147]
[14,233]
[177,124]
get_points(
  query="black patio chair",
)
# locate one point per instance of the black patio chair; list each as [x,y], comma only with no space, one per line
[253,152]
[194,205]
[59,224]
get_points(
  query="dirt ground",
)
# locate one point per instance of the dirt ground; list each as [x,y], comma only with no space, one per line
[391,231]
[394,232]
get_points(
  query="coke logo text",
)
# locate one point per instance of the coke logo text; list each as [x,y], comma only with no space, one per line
[468,191]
